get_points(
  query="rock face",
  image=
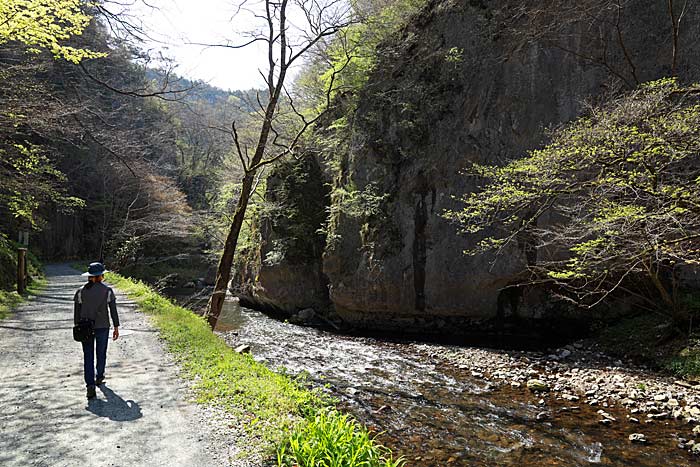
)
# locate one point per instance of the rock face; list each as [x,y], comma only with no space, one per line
[449,92]
[283,271]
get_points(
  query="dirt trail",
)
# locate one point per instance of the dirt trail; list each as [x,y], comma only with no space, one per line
[141,416]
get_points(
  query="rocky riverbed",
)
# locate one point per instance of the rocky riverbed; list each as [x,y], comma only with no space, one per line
[460,406]
[579,375]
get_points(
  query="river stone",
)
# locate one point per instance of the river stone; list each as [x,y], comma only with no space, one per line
[683,384]
[695,449]
[306,314]
[243,348]
[696,430]
[638,438]
[537,385]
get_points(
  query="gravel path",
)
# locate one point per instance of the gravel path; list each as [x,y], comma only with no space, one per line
[141,417]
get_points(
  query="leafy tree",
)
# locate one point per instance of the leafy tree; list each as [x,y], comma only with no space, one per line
[45,25]
[610,205]
[345,63]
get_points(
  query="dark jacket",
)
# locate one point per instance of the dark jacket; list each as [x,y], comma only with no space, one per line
[92,301]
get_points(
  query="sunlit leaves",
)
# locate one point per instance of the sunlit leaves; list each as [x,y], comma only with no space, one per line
[29,180]
[45,25]
[619,189]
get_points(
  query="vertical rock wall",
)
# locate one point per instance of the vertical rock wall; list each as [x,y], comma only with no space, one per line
[448,92]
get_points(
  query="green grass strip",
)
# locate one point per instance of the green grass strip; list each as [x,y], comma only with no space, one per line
[9,300]
[278,411]
[332,439]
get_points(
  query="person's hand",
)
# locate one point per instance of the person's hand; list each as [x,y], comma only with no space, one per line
[115,334]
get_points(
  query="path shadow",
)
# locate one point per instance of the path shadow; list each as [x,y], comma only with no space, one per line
[115,408]
[17,328]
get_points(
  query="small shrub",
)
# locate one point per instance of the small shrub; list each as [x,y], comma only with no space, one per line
[687,365]
[334,440]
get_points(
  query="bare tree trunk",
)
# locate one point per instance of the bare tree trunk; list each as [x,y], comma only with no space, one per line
[276,39]
[223,274]
[674,38]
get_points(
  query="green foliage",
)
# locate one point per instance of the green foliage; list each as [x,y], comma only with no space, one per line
[31,180]
[650,339]
[8,264]
[455,55]
[224,208]
[9,298]
[619,189]
[295,207]
[45,25]
[334,440]
[686,365]
[351,57]
[368,206]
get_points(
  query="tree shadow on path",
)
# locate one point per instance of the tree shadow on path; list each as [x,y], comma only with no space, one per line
[115,408]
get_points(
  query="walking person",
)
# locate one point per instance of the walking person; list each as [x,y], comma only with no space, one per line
[95,302]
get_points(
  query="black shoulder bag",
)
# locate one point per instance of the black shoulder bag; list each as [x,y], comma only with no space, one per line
[84,330]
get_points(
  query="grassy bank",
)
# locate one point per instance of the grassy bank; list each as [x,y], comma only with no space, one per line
[9,298]
[282,416]
[647,339]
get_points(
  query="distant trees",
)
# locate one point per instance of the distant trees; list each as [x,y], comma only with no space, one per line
[69,144]
[611,204]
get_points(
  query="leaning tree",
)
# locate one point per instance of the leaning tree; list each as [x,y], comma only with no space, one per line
[290,31]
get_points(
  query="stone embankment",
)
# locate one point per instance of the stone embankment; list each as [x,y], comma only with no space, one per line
[578,374]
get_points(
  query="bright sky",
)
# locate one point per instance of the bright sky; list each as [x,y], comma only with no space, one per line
[180,23]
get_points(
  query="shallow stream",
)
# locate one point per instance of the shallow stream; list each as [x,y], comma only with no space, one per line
[435,414]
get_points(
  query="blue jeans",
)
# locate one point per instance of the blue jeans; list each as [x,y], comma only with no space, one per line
[101,339]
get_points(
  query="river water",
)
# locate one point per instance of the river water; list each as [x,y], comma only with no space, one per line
[435,414]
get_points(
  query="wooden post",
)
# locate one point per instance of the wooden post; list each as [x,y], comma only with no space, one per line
[21,270]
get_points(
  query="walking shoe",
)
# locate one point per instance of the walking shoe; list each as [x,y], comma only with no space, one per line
[100,381]
[91,393]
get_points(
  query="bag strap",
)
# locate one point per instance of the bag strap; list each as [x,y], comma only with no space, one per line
[81,302]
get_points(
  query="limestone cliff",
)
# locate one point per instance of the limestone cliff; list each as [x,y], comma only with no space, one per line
[284,271]
[457,87]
